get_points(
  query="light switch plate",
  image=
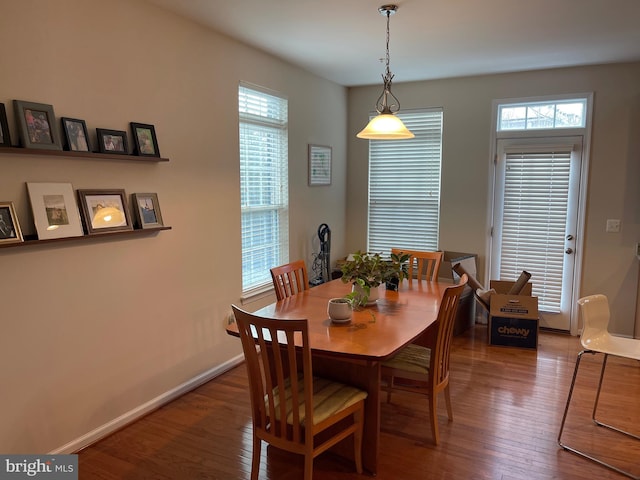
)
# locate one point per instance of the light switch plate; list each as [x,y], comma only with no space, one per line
[613,225]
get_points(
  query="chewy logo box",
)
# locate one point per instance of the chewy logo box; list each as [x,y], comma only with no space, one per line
[513,319]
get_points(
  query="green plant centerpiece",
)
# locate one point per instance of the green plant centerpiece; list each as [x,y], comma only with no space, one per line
[370,270]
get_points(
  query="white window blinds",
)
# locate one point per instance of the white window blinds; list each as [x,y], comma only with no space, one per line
[263,185]
[534,221]
[404,186]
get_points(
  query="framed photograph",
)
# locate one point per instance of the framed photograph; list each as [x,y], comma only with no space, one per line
[319,165]
[112,141]
[9,227]
[55,211]
[104,210]
[146,210]
[76,135]
[5,137]
[144,138]
[37,125]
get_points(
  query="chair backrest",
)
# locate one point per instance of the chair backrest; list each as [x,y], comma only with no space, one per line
[290,279]
[421,263]
[439,368]
[277,369]
[594,311]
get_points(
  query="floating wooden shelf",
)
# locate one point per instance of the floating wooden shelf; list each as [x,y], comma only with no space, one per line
[30,242]
[73,154]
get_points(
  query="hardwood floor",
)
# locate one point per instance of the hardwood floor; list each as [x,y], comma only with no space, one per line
[507,405]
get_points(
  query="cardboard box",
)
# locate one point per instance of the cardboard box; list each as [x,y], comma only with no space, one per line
[513,319]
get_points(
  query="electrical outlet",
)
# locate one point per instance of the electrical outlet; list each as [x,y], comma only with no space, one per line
[613,225]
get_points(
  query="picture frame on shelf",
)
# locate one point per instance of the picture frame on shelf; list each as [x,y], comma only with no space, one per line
[76,135]
[5,135]
[319,165]
[37,125]
[112,141]
[55,211]
[145,140]
[9,227]
[104,210]
[146,210]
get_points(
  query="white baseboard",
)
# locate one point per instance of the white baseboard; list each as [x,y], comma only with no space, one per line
[139,412]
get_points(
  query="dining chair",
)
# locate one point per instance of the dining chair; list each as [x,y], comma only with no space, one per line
[595,338]
[290,279]
[290,406]
[425,370]
[425,263]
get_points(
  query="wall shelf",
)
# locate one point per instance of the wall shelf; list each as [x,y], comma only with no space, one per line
[82,155]
[30,242]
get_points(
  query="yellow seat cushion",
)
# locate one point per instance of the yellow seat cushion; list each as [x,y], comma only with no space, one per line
[329,397]
[412,358]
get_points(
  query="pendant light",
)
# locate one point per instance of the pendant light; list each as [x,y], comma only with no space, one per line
[386,125]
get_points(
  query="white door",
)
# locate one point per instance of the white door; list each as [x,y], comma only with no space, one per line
[536,218]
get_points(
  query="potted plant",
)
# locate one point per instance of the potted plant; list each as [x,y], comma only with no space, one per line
[369,270]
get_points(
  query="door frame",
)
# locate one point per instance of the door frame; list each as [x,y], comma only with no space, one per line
[582,194]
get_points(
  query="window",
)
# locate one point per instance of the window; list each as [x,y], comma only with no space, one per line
[404,186]
[542,115]
[263,185]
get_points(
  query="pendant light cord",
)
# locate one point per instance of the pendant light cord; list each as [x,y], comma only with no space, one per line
[382,104]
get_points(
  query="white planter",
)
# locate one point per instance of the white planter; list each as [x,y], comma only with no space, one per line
[339,310]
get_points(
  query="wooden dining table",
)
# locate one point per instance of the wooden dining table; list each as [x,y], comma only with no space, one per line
[352,352]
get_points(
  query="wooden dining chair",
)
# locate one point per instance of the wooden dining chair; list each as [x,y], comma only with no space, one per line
[425,370]
[289,279]
[422,263]
[290,406]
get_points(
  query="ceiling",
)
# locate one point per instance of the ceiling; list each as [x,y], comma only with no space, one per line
[344,41]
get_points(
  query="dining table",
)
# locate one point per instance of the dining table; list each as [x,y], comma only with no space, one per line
[352,352]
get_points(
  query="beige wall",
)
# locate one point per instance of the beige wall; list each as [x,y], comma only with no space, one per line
[610,265]
[92,331]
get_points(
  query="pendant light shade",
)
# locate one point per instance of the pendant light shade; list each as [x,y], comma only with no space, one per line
[386,125]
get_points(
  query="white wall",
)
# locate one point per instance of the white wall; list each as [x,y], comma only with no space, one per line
[93,330]
[610,265]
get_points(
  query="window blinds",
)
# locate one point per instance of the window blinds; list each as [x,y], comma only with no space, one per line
[534,221]
[263,185]
[404,186]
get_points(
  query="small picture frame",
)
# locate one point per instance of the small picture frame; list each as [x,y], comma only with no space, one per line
[146,210]
[104,210]
[319,165]
[76,135]
[5,136]
[9,227]
[145,140]
[112,141]
[37,125]
[55,211]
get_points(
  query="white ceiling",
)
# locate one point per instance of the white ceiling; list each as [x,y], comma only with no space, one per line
[344,41]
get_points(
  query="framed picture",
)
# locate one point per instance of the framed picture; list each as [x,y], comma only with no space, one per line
[146,210]
[37,125]
[104,210]
[319,165]
[5,137]
[55,211]
[144,138]
[9,227]
[112,141]
[76,135]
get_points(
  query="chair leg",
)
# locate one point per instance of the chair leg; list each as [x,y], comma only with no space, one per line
[255,458]
[358,419]
[447,399]
[595,406]
[433,414]
[564,418]
[308,466]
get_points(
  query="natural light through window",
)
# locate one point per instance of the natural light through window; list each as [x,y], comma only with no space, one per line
[542,115]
